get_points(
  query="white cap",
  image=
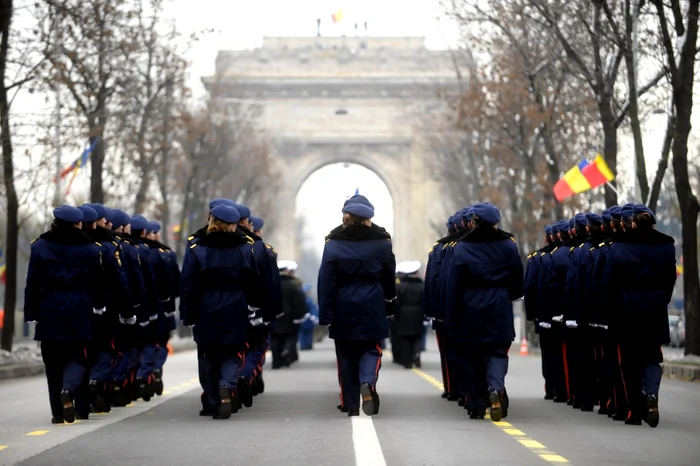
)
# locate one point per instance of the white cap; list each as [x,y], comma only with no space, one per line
[287,265]
[408,267]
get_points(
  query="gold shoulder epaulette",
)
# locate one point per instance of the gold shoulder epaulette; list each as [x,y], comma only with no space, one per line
[592,248]
[398,281]
[268,246]
[571,249]
[193,246]
[99,244]
[34,240]
[529,256]
[513,239]
[161,249]
[115,243]
[581,245]
[601,244]
[557,247]
[190,238]
[542,255]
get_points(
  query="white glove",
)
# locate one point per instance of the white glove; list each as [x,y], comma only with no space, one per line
[153,317]
[99,312]
[558,318]
[128,321]
[545,324]
[190,326]
[255,321]
[571,324]
[169,314]
[303,319]
[31,321]
[165,300]
[143,324]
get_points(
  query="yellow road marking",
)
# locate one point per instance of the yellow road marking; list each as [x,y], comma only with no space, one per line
[2,447]
[166,392]
[36,433]
[535,446]
[194,379]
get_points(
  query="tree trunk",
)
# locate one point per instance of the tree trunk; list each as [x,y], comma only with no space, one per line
[554,174]
[96,162]
[9,179]
[607,119]
[631,65]
[663,164]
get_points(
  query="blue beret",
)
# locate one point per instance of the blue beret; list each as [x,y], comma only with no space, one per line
[226,213]
[607,218]
[487,212]
[642,209]
[243,211]
[359,205]
[616,213]
[68,213]
[118,218]
[138,222]
[594,219]
[580,220]
[220,200]
[89,214]
[555,228]
[467,213]
[109,215]
[153,226]
[563,226]
[450,223]
[627,212]
[548,230]
[99,208]
[257,222]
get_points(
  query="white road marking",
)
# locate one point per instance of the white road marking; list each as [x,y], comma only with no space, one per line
[368,451]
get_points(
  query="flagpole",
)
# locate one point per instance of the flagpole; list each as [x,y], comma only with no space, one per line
[609,185]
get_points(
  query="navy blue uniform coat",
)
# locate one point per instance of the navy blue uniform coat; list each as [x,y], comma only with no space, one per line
[638,282]
[65,282]
[219,282]
[356,286]
[486,275]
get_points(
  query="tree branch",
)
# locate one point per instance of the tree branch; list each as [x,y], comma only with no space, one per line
[641,91]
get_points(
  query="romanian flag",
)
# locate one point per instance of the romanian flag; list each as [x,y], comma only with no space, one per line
[337,16]
[584,176]
[80,161]
[679,268]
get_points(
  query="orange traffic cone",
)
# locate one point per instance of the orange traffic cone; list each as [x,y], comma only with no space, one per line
[524,351]
[170,349]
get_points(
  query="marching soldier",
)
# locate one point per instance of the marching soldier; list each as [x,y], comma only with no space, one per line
[356,294]
[486,276]
[64,288]
[407,328]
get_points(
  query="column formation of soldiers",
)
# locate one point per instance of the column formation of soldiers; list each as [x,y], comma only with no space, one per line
[473,275]
[598,292]
[101,289]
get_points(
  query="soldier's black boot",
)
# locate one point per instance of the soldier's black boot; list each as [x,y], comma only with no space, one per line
[158,383]
[461,401]
[370,400]
[496,405]
[505,404]
[652,413]
[206,410]
[444,395]
[261,384]
[143,389]
[244,392]
[57,420]
[98,397]
[477,415]
[225,405]
[353,412]
[68,407]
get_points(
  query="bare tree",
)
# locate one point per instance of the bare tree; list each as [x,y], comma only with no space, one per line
[681,59]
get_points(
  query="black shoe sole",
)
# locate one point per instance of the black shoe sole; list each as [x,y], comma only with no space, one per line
[496,410]
[367,400]
[653,414]
[226,405]
[145,392]
[158,386]
[68,408]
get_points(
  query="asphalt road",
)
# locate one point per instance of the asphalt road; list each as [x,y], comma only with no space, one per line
[296,423]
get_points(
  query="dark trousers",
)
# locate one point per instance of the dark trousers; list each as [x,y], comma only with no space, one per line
[587,376]
[442,349]
[222,365]
[162,355]
[284,349]
[484,366]
[306,338]
[203,378]
[456,367]
[609,373]
[559,367]
[258,344]
[405,348]
[149,353]
[548,357]
[100,354]
[640,368]
[65,363]
[359,362]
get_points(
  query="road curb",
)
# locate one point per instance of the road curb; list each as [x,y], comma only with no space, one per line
[17,371]
[681,371]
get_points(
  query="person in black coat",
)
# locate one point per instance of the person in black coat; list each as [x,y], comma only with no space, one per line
[356,294]
[285,333]
[486,276]
[220,291]
[638,281]
[407,328]
[64,288]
